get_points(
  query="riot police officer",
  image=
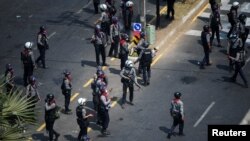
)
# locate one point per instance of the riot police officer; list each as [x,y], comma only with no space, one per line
[239,63]
[28,61]
[9,78]
[124,51]
[233,17]
[82,119]
[128,15]
[115,37]
[234,43]
[50,107]
[99,42]
[215,25]
[32,92]
[128,78]
[243,30]
[42,45]
[205,40]
[140,48]
[177,112]
[105,102]
[66,88]
[104,19]
[145,58]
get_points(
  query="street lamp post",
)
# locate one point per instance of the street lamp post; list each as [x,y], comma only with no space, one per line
[143,14]
[157,14]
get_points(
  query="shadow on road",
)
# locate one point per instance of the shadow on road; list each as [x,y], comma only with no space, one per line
[115,71]
[164,129]
[195,62]
[88,63]
[40,137]
[70,138]
[223,67]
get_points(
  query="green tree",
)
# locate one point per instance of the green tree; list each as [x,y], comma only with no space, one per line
[16,111]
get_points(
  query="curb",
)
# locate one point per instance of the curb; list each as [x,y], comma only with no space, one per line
[179,25]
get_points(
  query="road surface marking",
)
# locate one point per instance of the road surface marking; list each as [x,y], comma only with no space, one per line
[43,125]
[164,9]
[87,83]
[85,6]
[246,119]
[52,34]
[156,59]
[204,114]
[205,7]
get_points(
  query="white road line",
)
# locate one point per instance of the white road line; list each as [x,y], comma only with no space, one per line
[52,34]
[204,114]
[205,15]
[246,119]
[85,6]
[245,7]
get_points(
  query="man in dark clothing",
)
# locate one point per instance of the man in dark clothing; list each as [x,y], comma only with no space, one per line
[128,14]
[215,25]
[123,55]
[66,88]
[42,45]
[82,119]
[115,37]
[50,107]
[27,58]
[233,17]
[205,40]
[170,4]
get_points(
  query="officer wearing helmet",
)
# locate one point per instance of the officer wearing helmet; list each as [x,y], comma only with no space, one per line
[27,58]
[205,40]
[239,60]
[31,90]
[234,43]
[139,48]
[233,17]
[111,8]
[145,58]
[99,41]
[50,107]
[42,45]
[82,119]
[9,78]
[104,19]
[177,113]
[115,37]
[215,24]
[124,51]
[66,88]
[243,30]
[128,78]
[128,14]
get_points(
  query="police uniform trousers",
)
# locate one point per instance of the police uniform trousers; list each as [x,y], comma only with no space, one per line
[233,24]
[41,58]
[238,69]
[215,30]
[100,50]
[50,128]
[146,70]
[232,52]
[67,95]
[206,57]
[27,72]
[170,4]
[177,120]
[123,58]
[105,118]
[96,4]
[83,124]
[127,85]
[114,47]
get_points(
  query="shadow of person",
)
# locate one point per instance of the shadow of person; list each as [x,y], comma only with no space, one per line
[70,138]
[114,71]
[223,67]
[39,137]
[194,62]
[164,129]
[88,63]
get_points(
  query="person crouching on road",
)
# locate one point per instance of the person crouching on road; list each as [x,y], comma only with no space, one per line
[50,107]
[177,112]
[82,119]
[66,88]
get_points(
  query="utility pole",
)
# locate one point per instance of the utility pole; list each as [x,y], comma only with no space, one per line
[157,14]
[143,14]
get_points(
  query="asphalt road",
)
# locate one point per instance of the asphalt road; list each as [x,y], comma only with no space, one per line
[70,25]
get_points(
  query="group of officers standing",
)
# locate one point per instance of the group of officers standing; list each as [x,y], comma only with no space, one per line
[237,36]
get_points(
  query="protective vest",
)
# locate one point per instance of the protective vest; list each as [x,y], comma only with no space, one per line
[147,56]
[123,48]
[26,57]
[204,38]
[79,112]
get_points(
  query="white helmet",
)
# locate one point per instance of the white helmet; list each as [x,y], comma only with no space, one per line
[103,7]
[236,3]
[129,3]
[28,45]
[81,101]
[129,64]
